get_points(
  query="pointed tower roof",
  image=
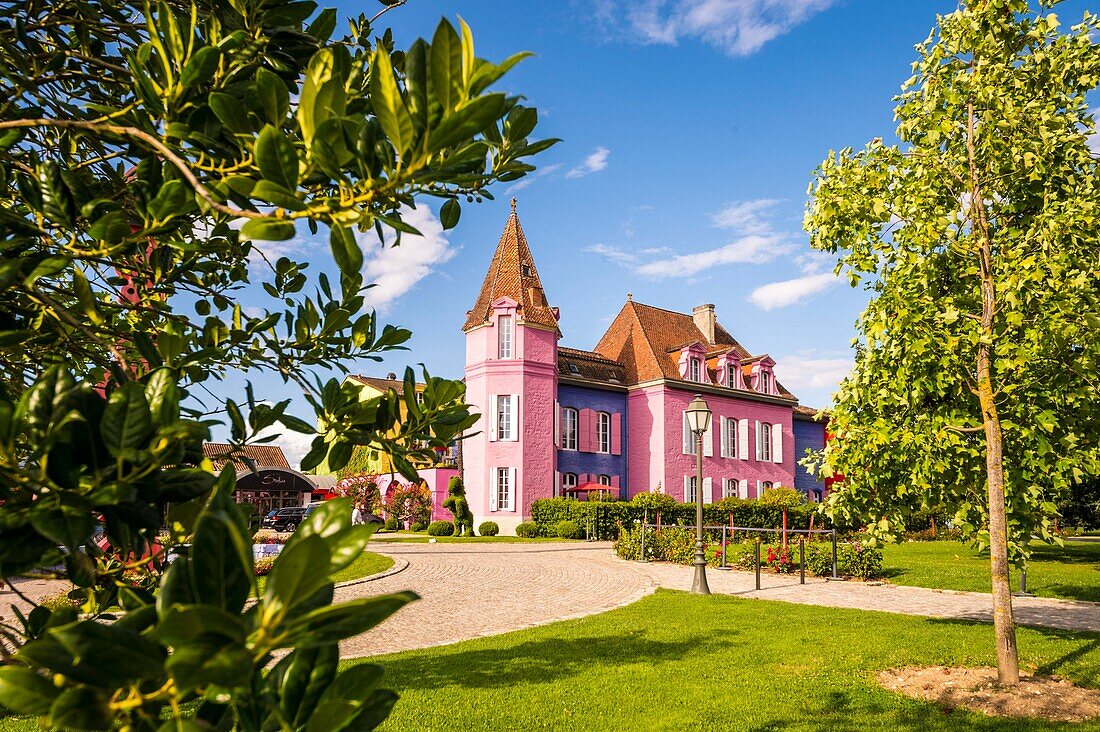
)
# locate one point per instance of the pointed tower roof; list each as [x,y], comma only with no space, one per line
[512,274]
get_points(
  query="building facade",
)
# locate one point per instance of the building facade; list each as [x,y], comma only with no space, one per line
[555,418]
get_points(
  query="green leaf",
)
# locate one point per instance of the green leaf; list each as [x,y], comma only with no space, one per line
[80,707]
[127,422]
[449,213]
[276,158]
[327,519]
[183,624]
[25,692]
[389,106]
[200,68]
[323,25]
[274,193]
[445,61]
[203,662]
[132,656]
[299,571]
[171,201]
[162,394]
[267,229]
[470,119]
[337,622]
[64,525]
[220,562]
[323,95]
[273,95]
[345,250]
[230,112]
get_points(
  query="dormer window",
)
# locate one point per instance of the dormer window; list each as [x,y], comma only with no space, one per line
[767,383]
[573,369]
[695,370]
[504,325]
[526,269]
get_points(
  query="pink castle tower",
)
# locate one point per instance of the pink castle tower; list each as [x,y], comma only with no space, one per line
[511,380]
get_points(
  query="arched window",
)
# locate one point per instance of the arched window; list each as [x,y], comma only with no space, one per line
[604,480]
[764,443]
[504,324]
[568,480]
[766,383]
[569,429]
[695,370]
[603,432]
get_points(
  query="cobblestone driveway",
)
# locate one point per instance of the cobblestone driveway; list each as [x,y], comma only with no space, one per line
[471,590]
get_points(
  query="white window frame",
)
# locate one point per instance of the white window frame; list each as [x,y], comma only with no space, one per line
[688,436]
[507,425]
[695,371]
[765,485]
[764,442]
[505,337]
[690,488]
[570,421]
[604,479]
[765,382]
[729,488]
[603,433]
[568,480]
[504,489]
[729,437]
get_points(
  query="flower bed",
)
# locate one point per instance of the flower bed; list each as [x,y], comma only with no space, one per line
[676,544]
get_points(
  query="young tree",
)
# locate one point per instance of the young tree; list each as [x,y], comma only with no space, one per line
[974,388]
[150,153]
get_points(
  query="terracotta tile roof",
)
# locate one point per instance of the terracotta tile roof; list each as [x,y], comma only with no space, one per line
[647,340]
[265,456]
[397,385]
[810,414]
[512,273]
[577,364]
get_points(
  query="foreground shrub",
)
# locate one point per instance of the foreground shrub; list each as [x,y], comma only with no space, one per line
[488,528]
[527,530]
[568,530]
[441,528]
[419,526]
[390,525]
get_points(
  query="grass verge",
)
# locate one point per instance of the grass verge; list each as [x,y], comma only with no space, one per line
[1070,572]
[677,661]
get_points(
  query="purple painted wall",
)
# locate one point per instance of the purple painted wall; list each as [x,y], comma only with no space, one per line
[807,435]
[595,463]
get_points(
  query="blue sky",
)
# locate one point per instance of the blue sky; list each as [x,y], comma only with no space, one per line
[690,131]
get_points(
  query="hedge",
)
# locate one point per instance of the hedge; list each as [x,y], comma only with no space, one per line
[441,528]
[608,517]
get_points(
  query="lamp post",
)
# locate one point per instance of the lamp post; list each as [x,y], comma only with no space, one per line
[698,417]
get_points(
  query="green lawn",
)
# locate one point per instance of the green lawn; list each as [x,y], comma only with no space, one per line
[367,564]
[678,661]
[1070,572]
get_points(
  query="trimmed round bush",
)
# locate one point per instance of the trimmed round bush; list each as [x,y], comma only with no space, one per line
[568,530]
[419,526]
[441,528]
[488,528]
[527,530]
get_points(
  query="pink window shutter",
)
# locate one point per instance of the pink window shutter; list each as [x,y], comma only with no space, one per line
[615,478]
[616,434]
[584,438]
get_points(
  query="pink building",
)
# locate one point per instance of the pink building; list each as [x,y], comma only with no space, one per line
[555,418]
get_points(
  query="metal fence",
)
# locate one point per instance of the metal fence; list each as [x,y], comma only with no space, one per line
[728,530]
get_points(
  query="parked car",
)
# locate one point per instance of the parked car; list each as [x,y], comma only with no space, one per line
[287,519]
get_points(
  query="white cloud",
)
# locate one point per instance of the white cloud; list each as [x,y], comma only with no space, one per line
[594,163]
[789,292]
[530,178]
[736,27]
[802,372]
[744,216]
[395,270]
[295,445]
[746,250]
[619,256]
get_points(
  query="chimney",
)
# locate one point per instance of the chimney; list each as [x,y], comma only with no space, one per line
[391,376]
[703,315]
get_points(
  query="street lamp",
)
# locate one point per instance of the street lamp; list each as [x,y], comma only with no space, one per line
[698,419]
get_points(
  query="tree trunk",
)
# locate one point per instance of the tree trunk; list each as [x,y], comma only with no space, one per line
[933,526]
[784,529]
[1004,626]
